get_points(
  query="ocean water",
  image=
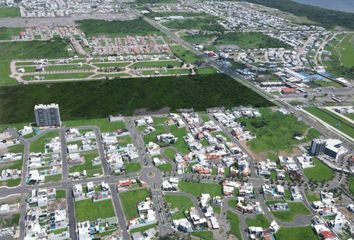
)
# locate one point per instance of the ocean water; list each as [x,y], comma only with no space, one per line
[340,5]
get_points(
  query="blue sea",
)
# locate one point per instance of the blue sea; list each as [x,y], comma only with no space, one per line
[340,5]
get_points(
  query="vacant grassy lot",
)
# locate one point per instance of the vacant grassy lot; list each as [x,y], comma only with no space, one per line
[320,172]
[345,51]
[18,148]
[158,64]
[52,178]
[199,23]
[132,167]
[56,76]
[87,165]
[184,54]
[351,184]
[124,96]
[296,233]
[8,33]
[9,12]
[198,188]
[103,123]
[130,200]
[205,235]
[38,144]
[93,27]
[312,196]
[234,222]
[206,70]
[180,144]
[178,205]
[165,167]
[296,208]
[332,119]
[143,228]
[87,210]
[274,131]
[250,40]
[259,221]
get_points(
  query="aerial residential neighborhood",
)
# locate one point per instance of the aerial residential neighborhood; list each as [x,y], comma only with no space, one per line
[175,119]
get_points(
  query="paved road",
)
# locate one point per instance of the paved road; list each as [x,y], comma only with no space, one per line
[119,212]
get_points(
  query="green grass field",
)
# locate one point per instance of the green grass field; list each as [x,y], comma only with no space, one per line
[320,172]
[111,64]
[296,233]
[103,123]
[198,188]
[345,50]
[132,167]
[312,196]
[143,228]
[170,153]
[102,98]
[8,33]
[184,54]
[18,148]
[93,27]
[157,64]
[56,76]
[234,222]
[332,119]
[54,48]
[38,144]
[351,184]
[205,235]
[274,131]
[87,210]
[250,40]
[130,200]
[296,208]
[52,178]
[10,221]
[259,221]
[180,144]
[60,194]
[178,205]
[87,165]
[199,23]
[165,167]
[9,12]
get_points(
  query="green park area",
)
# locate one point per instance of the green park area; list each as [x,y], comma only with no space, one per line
[295,208]
[39,144]
[205,235]
[320,172]
[87,164]
[296,233]
[87,210]
[275,131]
[197,189]
[332,119]
[259,220]
[102,98]
[234,222]
[93,27]
[54,48]
[103,123]
[8,33]
[130,201]
[178,205]
[250,40]
[9,12]
[345,50]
